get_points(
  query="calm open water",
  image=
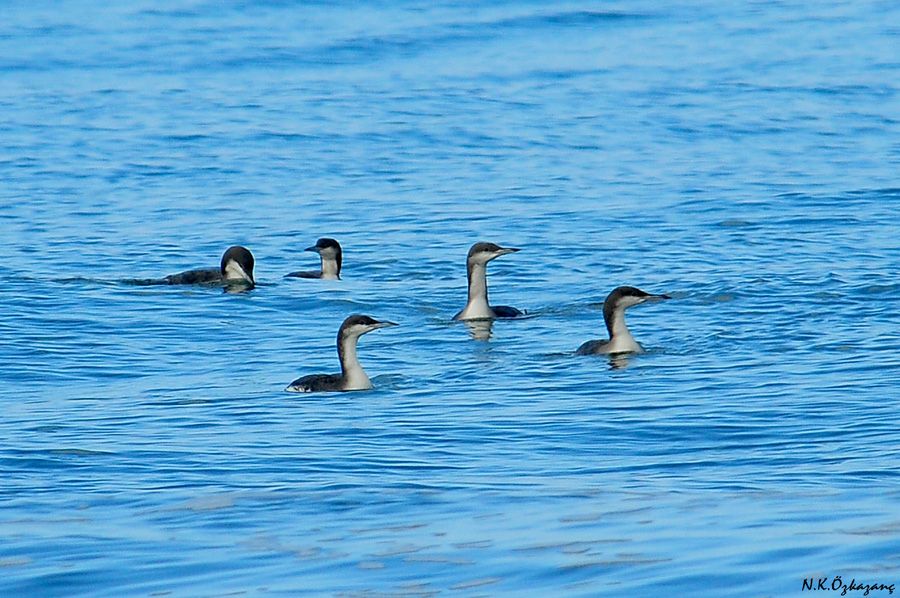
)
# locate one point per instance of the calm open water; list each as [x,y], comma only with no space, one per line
[741,157]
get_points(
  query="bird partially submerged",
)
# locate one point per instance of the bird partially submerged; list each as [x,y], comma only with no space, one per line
[620,339]
[352,376]
[330,253]
[235,268]
[477,306]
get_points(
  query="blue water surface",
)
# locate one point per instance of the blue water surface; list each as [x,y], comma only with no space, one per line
[740,157]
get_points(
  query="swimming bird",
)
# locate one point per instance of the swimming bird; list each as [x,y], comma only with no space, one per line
[330,252]
[236,267]
[352,376]
[477,306]
[620,339]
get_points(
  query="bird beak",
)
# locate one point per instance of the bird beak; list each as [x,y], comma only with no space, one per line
[505,250]
[658,298]
[313,248]
[384,324]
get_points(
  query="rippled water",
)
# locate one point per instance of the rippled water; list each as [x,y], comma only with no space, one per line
[741,158]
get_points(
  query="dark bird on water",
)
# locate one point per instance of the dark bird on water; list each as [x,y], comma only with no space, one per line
[236,267]
[330,253]
[477,307]
[620,339]
[352,376]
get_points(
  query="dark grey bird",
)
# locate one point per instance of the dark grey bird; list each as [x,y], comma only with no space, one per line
[236,267]
[352,376]
[620,339]
[330,252]
[477,307]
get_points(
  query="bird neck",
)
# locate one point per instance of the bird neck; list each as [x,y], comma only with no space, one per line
[477,305]
[352,373]
[620,339]
[331,268]
[234,271]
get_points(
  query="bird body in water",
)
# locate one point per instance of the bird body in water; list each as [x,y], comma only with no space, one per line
[620,338]
[477,306]
[236,267]
[331,255]
[352,376]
